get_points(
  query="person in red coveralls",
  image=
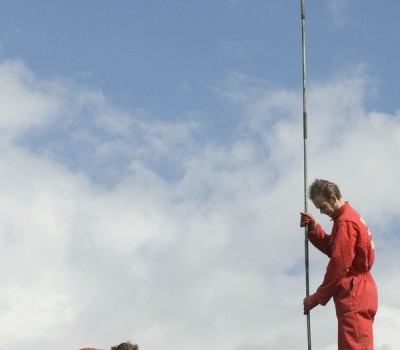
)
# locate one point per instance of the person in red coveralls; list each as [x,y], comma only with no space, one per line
[122,346]
[348,278]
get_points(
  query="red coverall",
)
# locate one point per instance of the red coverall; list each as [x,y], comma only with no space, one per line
[348,279]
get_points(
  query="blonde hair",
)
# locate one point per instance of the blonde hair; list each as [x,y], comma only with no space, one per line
[324,188]
[125,346]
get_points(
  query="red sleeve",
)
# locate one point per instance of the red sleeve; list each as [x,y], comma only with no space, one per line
[343,253]
[320,239]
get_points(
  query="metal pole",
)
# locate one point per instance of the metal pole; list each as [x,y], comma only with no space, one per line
[303,37]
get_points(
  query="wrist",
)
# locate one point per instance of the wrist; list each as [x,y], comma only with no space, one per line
[314,300]
[312,226]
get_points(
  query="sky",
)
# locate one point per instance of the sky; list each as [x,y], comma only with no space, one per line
[151,168]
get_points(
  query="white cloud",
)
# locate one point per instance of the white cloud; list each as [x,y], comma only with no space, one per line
[25,102]
[338,9]
[210,258]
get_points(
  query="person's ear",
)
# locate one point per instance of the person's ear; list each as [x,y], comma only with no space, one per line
[333,199]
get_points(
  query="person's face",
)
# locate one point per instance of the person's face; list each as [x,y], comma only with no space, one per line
[327,207]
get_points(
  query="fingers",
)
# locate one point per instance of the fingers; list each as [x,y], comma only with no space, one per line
[304,222]
[305,219]
[305,308]
[309,303]
[307,215]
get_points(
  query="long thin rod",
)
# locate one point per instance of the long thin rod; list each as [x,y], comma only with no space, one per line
[306,258]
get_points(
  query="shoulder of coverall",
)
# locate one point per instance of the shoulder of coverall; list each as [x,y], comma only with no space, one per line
[348,214]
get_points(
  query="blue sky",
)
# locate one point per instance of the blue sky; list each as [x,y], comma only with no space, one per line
[165,56]
[152,175]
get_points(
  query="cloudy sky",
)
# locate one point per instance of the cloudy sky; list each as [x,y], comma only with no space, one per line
[152,170]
